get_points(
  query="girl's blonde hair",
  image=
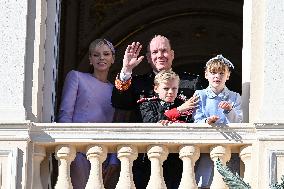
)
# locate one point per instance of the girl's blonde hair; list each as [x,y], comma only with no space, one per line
[219,64]
[164,76]
[216,66]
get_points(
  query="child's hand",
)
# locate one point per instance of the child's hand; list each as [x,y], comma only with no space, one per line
[225,105]
[165,122]
[189,104]
[212,119]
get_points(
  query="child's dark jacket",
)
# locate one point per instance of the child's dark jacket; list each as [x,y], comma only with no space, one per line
[154,109]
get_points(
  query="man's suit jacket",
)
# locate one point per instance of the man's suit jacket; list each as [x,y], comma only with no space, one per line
[142,86]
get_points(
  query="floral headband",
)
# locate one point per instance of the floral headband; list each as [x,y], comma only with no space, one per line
[109,44]
[222,59]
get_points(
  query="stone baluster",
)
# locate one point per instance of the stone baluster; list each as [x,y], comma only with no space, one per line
[188,154]
[245,155]
[157,154]
[224,154]
[96,154]
[38,156]
[126,154]
[65,154]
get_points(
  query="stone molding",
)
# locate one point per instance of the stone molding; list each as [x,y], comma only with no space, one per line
[10,174]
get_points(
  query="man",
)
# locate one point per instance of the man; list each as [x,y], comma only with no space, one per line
[128,90]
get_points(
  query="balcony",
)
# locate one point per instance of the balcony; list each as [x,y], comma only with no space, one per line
[26,148]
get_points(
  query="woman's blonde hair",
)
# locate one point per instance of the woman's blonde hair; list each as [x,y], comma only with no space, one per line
[99,42]
[164,76]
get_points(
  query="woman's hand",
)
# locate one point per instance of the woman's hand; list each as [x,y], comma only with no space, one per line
[189,104]
[130,60]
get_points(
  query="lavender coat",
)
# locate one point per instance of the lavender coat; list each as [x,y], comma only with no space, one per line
[85,100]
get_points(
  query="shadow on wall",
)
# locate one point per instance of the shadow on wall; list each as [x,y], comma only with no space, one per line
[245,101]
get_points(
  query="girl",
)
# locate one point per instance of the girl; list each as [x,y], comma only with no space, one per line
[217,104]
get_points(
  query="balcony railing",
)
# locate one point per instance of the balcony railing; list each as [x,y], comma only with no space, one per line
[129,139]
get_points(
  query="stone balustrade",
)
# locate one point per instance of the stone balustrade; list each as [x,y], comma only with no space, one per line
[127,140]
[128,153]
[254,145]
[96,154]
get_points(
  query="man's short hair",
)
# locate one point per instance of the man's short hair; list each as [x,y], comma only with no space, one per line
[156,36]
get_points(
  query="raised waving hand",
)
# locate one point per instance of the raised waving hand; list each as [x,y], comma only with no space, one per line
[131,59]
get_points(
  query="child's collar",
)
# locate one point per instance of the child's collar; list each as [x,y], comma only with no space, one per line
[211,94]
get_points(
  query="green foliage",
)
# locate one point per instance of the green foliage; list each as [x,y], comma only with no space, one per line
[278,186]
[233,181]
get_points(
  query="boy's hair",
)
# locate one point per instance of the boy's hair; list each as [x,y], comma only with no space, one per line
[164,76]
[219,64]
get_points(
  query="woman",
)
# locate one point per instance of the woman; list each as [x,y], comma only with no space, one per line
[86,98]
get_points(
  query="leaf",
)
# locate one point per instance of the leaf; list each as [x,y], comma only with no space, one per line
[233,181]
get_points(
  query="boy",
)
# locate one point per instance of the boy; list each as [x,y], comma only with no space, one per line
[166,108]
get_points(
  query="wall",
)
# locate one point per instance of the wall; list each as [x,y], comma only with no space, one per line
[12,68]
[267,91]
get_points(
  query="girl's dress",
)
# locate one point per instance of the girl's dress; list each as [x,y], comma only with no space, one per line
[208,106]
